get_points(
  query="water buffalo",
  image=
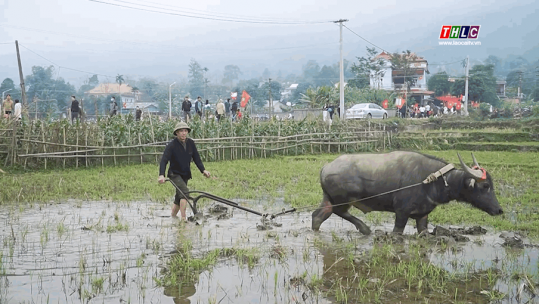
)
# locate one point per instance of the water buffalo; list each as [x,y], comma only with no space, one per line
[352,177]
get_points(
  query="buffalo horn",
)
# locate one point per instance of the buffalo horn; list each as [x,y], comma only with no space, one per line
[475,161]
[475,173]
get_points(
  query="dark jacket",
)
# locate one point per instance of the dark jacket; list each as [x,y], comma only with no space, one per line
[180,159]
[227,106]
[186,106]
[234,107]
[75,106]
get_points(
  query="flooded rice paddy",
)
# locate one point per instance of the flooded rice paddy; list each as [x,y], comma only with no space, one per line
[109,252]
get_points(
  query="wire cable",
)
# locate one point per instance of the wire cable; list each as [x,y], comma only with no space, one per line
[64,67]
[204,13]
[364,38]
[211,18]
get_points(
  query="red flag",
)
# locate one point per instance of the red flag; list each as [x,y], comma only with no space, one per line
[244,99]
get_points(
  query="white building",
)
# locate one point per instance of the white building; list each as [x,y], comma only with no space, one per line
[393,80]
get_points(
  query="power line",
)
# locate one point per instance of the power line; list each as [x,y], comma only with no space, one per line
[181,14]
[204,13]
[66,68]
[460,61]
[174,48]
[364,38]
[39,55]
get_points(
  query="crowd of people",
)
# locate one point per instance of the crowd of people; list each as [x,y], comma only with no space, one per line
[425,111]
[11,109]
[226,109]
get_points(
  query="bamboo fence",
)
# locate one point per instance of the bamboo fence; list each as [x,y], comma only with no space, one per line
[47,147]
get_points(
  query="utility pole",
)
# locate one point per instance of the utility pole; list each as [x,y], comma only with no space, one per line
[519,95]
[170,100]
[23,91]
[270,108]
[466,86]
[341,84]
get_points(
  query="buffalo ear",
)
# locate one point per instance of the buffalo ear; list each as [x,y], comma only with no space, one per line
[469,183]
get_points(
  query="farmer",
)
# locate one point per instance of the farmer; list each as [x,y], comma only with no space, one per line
[179,152]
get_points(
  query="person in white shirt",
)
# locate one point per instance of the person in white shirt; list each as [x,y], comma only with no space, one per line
[421,111]
[17,111]
[427,110]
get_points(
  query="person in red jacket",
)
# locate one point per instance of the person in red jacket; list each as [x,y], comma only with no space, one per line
[179,152]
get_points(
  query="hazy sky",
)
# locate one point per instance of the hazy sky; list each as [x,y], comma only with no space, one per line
[107,39]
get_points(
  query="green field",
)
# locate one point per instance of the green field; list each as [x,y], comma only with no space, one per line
[296,179]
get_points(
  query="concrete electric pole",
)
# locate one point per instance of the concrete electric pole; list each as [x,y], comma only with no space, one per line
[341,83]
[23,91]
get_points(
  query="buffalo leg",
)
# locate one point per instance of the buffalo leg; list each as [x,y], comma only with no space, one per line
[421,223]
[362,227]
[321,214]
[400,222]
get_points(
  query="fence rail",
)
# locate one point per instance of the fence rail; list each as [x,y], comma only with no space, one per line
[41,147]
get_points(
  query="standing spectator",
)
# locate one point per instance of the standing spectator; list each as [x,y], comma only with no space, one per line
[331,111]
[325,112]
[220,109]
[402,111]
[198,107]
[207,109]
[8,106]
[239,115]
[421,111]
[427,110]
[138,114]
[113,106]
[179,152]
[75,109]
[227,107]
[17,112]
[186,108]
[234,109]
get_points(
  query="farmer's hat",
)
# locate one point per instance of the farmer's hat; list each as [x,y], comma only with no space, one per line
[181,125]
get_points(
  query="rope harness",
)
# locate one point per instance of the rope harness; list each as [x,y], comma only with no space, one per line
[430,178]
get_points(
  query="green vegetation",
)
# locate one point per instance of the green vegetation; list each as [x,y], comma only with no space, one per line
[294,178]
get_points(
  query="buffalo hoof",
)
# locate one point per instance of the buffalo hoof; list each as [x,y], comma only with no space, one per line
[365,230]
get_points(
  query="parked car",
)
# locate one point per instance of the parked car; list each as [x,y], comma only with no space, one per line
[366,110]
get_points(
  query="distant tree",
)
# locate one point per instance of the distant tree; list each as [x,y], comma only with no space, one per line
[301,89]
[120,79]
[496,62]
[8,84]
[310,70]
[232,72]
[535,95]
[439,83]
[93,81]
[52,95]
[196,78]
[266,74]
[481,85]
[327,76]
[365,68]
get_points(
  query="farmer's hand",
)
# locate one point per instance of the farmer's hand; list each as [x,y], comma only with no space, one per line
[206,173]
[161,179]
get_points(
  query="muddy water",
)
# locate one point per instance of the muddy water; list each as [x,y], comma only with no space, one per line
[105,252]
